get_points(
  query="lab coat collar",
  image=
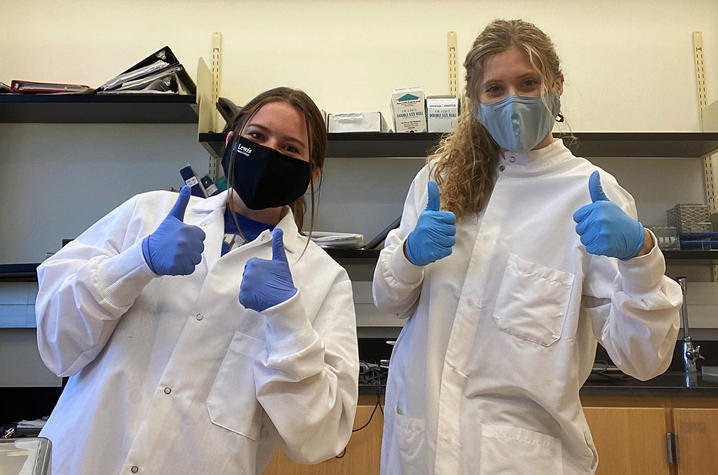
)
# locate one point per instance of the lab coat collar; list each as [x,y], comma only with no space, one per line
[535,160]
[203,206]
[293,242]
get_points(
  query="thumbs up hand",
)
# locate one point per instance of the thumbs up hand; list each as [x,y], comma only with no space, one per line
[266,283]
[174,248]
[605,229]
[434,234]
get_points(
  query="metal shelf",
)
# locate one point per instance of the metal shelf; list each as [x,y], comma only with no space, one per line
[645,144]
[354,256]
[27,272]
[93,108]
[702,257]
[18,272]
[588,144]
[688,257]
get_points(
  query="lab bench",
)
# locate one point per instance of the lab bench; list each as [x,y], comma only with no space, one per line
[668,384]
[658,426]
[637,426]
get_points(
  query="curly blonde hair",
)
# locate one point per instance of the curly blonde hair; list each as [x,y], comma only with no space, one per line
[466,159]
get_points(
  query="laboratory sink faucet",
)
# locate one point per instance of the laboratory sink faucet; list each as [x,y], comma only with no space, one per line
[691,355]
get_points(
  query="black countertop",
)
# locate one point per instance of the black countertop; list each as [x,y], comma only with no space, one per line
[668,384]
[602,381]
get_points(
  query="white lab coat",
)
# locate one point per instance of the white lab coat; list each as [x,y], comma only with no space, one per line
[485,375]
[171,374]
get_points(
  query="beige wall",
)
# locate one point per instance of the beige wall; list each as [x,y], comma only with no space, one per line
[628,67]
[628,64]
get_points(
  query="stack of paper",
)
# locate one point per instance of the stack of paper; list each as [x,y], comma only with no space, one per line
[338,240]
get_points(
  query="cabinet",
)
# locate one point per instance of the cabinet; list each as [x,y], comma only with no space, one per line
[90,109]
[639,435]
[347,153]
[58,149]
[697,436]
[590,144]
[629,440]
[629,434]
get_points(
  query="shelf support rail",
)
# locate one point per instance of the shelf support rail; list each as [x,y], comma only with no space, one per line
[213,167]
[708,160]
[451,51]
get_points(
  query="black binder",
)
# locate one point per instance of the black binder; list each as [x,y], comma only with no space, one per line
[381,237]
[158,72]
[228,110]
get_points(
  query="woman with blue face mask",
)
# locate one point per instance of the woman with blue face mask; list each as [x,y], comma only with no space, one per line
[198,334]
[512,260]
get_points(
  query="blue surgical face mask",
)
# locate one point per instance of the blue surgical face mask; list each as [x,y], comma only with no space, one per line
[518,123]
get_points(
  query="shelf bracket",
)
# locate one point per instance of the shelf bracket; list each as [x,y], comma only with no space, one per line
[709,167]
[216,77]
[216,73]
[451,50]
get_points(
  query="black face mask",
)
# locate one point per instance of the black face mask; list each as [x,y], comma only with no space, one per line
[263,177]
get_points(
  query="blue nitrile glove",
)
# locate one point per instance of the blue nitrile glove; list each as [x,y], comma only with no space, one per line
[174,248]
[605,229]
[434,234]
[266,283]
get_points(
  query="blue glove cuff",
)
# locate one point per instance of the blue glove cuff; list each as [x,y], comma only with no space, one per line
[640,239]
[146,253]
[412,259]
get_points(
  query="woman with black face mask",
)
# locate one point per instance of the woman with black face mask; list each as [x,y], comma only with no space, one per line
[200,333]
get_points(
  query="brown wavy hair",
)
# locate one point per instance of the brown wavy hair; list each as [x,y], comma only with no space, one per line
[316,134]
[466,159]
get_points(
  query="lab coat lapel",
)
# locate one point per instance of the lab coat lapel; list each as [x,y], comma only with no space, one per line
[208,214]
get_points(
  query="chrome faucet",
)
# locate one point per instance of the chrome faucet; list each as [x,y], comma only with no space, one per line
[691,355]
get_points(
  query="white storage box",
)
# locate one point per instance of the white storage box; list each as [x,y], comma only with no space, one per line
[407,108]
[356,122]
[442,113]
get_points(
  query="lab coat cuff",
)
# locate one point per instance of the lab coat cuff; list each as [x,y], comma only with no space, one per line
[288,328]
[402,268]
[643,274]
[121,278]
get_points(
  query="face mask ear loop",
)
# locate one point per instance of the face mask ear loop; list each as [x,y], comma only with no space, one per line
[233,143]
[477,111]
[559,117]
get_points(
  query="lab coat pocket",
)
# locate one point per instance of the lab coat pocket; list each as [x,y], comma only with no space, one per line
[532,301]
[409,439]
[513,450]
[232,401]
[591,452]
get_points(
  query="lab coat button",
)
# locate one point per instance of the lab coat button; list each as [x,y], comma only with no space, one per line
[502,168]
[198,316]
[203,224]
[134,469]
[168,390]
